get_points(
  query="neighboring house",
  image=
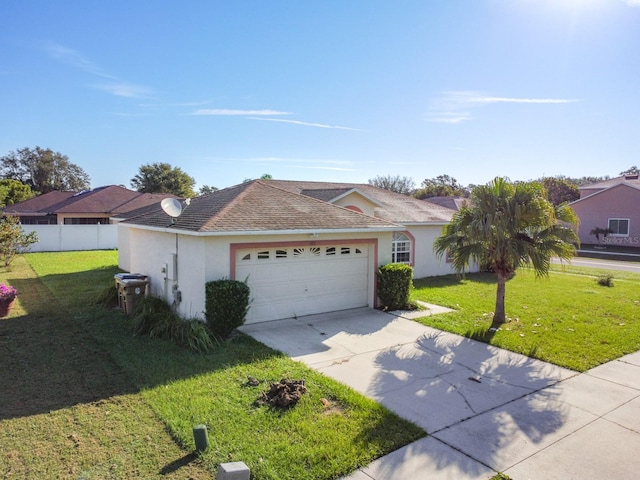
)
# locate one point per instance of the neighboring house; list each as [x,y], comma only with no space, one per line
[89,207]
[612,204]
[303,247]
[454,203]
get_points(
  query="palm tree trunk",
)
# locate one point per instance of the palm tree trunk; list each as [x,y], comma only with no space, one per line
[498,314]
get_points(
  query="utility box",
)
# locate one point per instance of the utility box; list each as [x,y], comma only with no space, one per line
[131,288]
[233,471]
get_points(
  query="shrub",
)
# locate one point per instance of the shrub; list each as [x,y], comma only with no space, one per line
[13,240]
[226,305]
[395,281]
[605,280]
[108,297]
[153,317]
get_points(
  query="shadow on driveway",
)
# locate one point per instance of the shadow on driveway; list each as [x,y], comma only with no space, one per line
[438,380]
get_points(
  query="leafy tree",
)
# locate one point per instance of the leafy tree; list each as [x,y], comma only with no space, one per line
[43,170]
[587,180]
[631,171]
[13,191]
[163,178]
[560,189]
[206,189]
[441,186]
[13,240]
[398,184]
[265,176]
[506,226]
[597,231]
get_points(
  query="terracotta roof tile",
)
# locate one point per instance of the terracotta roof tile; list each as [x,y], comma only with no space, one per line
[109,200]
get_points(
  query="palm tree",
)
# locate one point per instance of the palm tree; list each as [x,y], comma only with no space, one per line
[506,226]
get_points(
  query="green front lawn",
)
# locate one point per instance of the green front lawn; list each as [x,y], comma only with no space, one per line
[80,397]
[566,319]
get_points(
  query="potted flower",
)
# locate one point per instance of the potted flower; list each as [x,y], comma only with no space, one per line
[8,295]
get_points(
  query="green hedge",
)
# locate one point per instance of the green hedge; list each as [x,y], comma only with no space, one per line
[226,305]
[395,281]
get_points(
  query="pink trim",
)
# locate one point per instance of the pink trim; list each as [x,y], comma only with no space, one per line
[354,208]
[413,247]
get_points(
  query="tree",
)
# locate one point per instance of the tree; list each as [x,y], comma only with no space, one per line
[13,240]
[265,176]
[631,171]
[206,190]
[597,231]
[13,191]
[560,190]
[587,180]
[43,170]
[163,178]
[441,186]
[398,184]
[506,226]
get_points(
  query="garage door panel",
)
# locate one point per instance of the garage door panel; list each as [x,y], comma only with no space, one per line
[304,280]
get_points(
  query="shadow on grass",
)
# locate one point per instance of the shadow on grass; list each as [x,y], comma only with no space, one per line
[64,351]
[485,335]
[445,281]
[179,463]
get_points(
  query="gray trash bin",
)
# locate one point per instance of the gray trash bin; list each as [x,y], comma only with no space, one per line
[131,288]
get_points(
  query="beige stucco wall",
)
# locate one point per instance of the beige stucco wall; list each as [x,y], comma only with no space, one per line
[356,200]
[426,263]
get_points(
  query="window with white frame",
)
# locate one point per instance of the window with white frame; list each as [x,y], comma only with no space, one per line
[619,227]
[400,248]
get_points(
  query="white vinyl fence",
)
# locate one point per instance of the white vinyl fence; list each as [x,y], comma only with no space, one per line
[62,238]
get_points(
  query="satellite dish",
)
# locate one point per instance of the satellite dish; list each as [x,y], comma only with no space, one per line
[171,207]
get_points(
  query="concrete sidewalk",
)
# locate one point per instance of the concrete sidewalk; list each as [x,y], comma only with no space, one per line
[486,410]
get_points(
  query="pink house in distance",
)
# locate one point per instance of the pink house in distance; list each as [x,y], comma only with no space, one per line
[613,204]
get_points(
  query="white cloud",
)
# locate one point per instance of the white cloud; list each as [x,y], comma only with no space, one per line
[75,59]
[123,89]
[308,124]
[115,87]
[230,111]
[633,3]
[455,107]
[520,100]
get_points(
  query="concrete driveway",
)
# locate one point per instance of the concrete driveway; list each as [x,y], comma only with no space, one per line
[486,410]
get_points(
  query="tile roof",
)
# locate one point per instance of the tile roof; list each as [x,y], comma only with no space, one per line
[111,199]
[632,180]
[454,203]
[41,204]
[257,206]
[394,207]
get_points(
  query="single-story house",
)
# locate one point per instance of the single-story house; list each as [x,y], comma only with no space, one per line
[88,207]
[454,203]
[612,204]
[303,247]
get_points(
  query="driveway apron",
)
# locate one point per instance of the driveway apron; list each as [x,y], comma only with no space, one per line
[486,410]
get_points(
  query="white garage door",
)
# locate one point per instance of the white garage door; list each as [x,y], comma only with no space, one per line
[295,281]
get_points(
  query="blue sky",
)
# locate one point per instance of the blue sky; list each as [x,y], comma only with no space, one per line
[333,90]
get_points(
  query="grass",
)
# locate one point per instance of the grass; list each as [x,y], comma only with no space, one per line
[566,319]
[80,397]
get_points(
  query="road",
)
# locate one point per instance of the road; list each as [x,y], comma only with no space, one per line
[607,264]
